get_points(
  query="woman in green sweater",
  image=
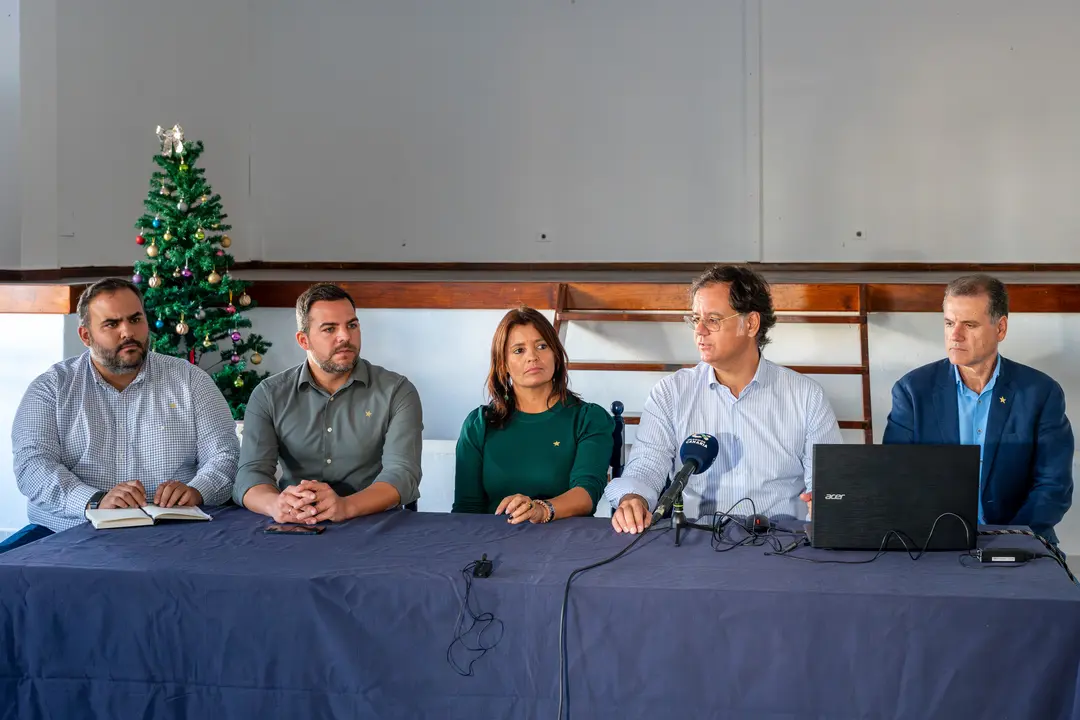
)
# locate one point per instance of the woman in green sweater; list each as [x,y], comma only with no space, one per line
[536,452]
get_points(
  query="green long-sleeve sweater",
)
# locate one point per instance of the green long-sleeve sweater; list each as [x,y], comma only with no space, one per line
[540,455]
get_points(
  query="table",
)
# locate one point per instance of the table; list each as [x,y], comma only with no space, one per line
[218,620]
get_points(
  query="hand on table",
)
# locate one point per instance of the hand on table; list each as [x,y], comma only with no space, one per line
[174,493]
[294,504]
[632,516]
[327,504]
[521,508]
[130,494]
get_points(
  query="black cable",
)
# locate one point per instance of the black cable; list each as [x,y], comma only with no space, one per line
[1051,549]
[898,534]
[722,520]
[564,681]
[778,547]
[488,619]
[981,565]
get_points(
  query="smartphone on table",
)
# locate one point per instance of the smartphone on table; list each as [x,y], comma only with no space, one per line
[287,529]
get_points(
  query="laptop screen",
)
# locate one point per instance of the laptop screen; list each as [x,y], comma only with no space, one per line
[863,493]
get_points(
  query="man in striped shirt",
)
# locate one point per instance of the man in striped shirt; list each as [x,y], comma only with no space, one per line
[118,426]
[766,418]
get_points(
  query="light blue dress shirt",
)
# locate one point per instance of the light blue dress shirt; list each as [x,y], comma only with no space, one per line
[974,411]
[766,435]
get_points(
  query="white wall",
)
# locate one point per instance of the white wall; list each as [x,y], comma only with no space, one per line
[29,345]
[38,159]
[942,130]
[445,354]
[125,67]
[10,218]
[623,130]
[467,130]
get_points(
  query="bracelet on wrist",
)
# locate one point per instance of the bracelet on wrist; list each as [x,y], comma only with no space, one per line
[550,510]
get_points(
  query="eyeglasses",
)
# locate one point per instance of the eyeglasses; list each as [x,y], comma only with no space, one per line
[712,323]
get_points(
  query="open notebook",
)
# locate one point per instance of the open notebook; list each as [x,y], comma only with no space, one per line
[147,515]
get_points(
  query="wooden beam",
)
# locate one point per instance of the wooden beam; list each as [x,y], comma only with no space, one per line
[39,299]
[687,270]
[419,295]
[677,317]
[585,300]
[864,355]
[820,319]
[829,369]
[654,366]
[853,424]
[1027,298]
[633,296]
[893,297]
[635,419]
[629,366]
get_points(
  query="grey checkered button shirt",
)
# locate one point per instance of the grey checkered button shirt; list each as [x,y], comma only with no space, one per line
[75,435]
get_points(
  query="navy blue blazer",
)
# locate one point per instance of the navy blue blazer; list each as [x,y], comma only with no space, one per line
[1028,450]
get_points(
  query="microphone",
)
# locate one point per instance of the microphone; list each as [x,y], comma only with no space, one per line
[697,454]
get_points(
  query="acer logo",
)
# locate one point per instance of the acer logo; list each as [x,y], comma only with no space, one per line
[835,496]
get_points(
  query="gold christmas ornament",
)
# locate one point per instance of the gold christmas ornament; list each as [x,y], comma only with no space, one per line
[206,342]
[256,358]
[176,273]
[239,381]
[245,299]
[167,236]
[214,278]
[204,199]
[182,328]
[152,251]
[200,235]
[154,281]
[226,241]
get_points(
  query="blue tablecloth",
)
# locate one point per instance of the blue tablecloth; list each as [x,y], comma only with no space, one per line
[218,620]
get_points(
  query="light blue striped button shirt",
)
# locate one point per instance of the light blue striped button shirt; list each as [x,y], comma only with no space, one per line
[767,436]
[75,435]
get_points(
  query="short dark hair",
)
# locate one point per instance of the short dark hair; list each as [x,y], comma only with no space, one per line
[749,292]
[975,285]
[105,285]
[319,292]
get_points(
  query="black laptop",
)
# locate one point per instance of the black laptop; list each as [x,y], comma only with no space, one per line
[861,492]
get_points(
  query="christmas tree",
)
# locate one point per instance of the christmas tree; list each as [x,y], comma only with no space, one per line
[190,297]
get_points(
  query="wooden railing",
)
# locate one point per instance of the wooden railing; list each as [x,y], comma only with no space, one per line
[651,303]
[442,286]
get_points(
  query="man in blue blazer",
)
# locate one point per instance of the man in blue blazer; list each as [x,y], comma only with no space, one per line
[1014,413]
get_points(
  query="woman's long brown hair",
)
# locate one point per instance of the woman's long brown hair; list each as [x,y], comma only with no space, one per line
[499,388]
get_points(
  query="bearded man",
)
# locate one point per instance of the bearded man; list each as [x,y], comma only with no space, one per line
[345,434]
[118,426]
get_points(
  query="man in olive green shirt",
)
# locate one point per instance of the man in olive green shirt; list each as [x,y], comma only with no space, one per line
[346,433]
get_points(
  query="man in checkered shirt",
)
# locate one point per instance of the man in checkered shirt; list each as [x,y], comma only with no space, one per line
[119,426]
